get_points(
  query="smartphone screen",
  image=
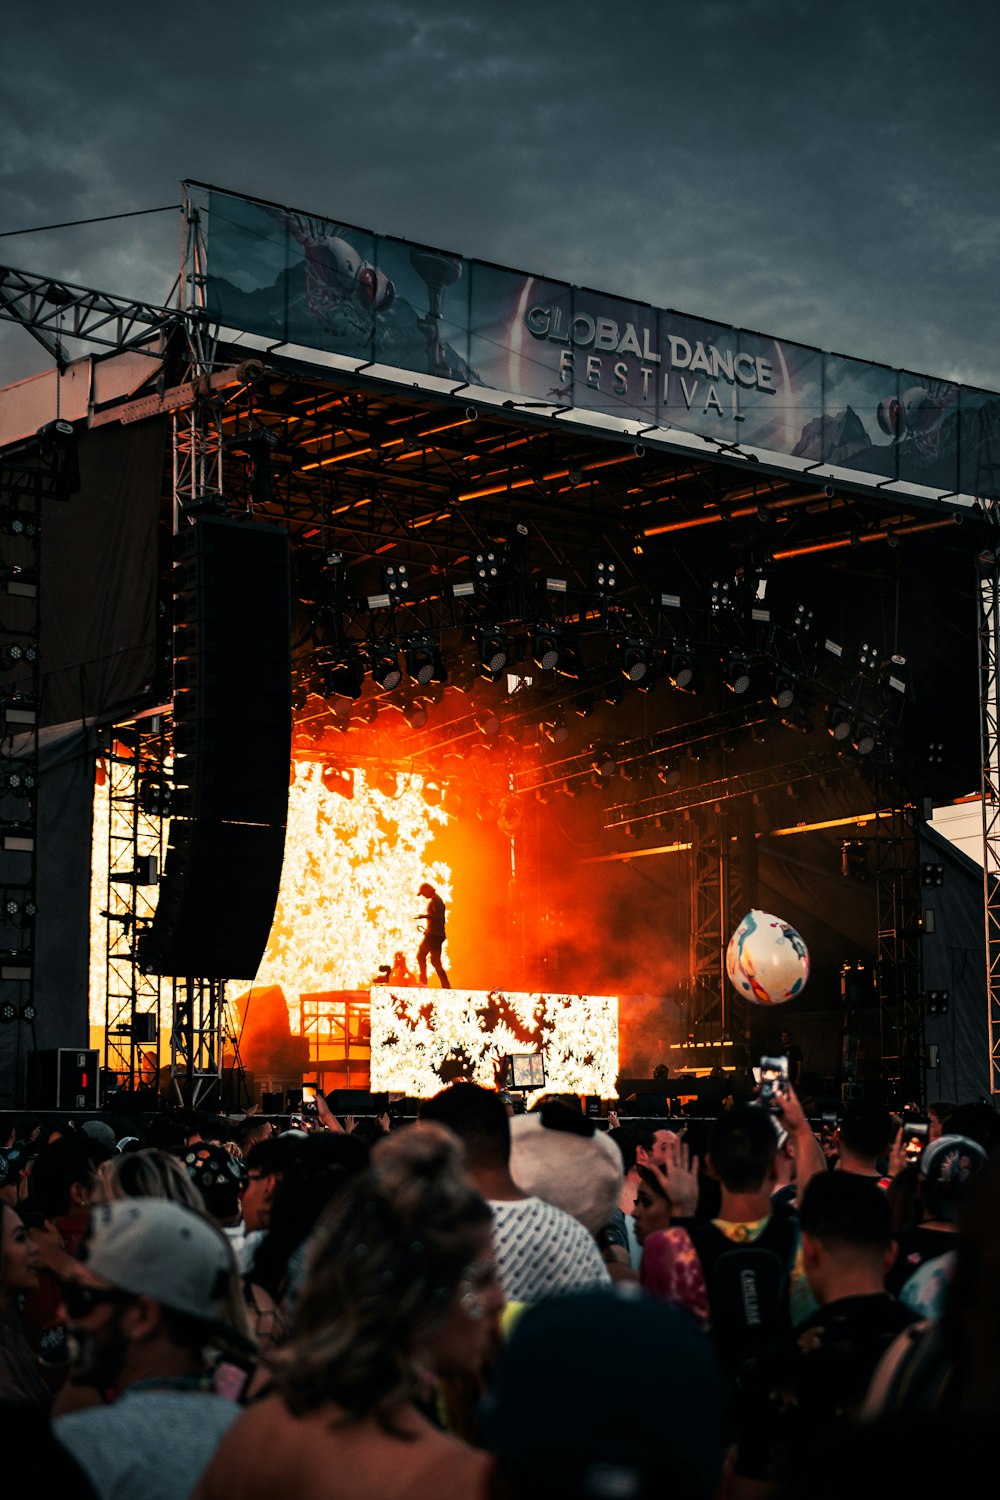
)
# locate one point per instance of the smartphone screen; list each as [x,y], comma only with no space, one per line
[308,1099]
[773,1079]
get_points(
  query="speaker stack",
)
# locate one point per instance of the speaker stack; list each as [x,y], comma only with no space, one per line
[232,748]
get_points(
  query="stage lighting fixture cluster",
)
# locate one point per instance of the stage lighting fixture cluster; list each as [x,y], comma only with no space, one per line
[423,661]
[343,679]
[857,727]
[605,763]
[783,691]
[555,731]
[496,651]
[396,580]
[486,569]
[385,668]
[681,669]
[16,655]
[546,648]
[736,673]
[605,578]
[635,661]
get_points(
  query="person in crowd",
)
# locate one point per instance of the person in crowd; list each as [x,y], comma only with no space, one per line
[401,1286]
[319,1169]
[864,1138]
[741,1273]
[145,1303]
[57,1211]
[250,1132]
[557,1154]
[790,1050]
[925,1257]
[939,1112]
[219,1178]
[146,1174]
[600,1395]
[13,1160]
[623,1228]
[947,1367]
[539,1249]
[976,1121]
[651,1208]
[788,1397]
[265,1164]
[20,1378]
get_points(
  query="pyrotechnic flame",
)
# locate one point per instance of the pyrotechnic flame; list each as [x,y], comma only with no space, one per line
[348,897]
[415,1031]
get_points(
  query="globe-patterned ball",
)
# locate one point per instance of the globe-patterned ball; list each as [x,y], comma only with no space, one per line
[767,961]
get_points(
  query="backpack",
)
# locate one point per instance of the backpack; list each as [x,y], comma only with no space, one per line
[747,1284]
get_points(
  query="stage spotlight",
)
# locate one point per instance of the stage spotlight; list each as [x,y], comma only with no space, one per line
[736,673]
[838,720]
[386,669]
[488,724]
[155,796]
[680,670]
[864,736]
[16,656]
[605,577]
[8,1011]
[486,569]
[396,580]
[423,661]
[783,692]
[432,793]
[343,679]
[28,1013]
[546,648]
[605,763]
[668,773]
[386,783]
[415,715]
[555,731]
[495,652]
[634,661]
[854,860]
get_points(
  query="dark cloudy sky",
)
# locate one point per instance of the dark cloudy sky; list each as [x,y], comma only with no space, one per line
[825,173]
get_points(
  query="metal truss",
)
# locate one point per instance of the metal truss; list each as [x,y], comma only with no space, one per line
[136,836]
[723,887]
[988,593]
[52,311]
[898,966]
[196,1040]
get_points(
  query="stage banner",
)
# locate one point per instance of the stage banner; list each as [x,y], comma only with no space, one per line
[294,278]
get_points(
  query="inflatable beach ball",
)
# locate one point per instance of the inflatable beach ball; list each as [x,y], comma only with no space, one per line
[766,960]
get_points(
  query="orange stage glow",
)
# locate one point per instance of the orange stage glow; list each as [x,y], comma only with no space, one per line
[348,897]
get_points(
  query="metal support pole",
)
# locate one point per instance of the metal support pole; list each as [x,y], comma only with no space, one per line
[988,600]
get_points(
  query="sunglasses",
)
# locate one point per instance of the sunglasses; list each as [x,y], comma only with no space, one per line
[79,1299]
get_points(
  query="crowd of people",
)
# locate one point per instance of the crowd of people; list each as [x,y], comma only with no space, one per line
[485,1303]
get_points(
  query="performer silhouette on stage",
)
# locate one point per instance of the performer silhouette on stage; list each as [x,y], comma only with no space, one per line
[434,936]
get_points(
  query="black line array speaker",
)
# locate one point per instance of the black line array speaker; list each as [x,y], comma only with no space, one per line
[232,748]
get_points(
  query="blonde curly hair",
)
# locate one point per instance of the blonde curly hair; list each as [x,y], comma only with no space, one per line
[385,1262]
